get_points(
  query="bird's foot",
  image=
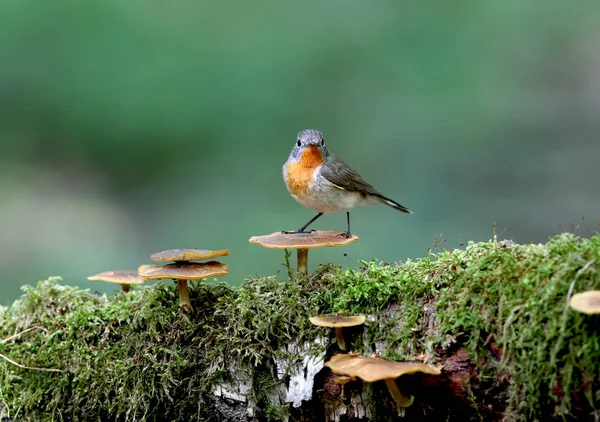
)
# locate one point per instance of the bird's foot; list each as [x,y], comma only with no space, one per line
[299,231]
[347,235]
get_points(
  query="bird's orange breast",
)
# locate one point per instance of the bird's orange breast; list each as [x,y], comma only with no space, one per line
[300,173]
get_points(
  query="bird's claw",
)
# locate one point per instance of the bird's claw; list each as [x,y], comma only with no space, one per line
[347,235]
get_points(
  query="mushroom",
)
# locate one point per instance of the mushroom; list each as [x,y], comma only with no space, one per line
[303,242]
[341,380]
[124,278]
[587,302]
[338,322]
[186,255]
[182,272]
[372,369]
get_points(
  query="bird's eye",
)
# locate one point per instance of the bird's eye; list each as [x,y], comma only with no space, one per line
[298,143]
[322,142]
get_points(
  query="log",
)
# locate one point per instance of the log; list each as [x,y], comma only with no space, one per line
[493,316]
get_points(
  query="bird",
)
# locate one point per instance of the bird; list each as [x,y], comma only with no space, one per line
[323,182]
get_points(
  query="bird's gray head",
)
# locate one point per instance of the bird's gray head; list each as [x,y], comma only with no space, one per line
[309,138]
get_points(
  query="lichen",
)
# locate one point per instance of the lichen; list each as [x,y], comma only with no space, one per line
[135,356]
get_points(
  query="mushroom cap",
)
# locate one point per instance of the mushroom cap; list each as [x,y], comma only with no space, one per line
[183,271]
[335,321]
[318,239]
[179,255]
[371,369]
[341,379]
[118,277]
[586,302]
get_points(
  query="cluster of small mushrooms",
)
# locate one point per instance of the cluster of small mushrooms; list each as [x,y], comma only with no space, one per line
[182,269]
[347,366]
[344,366]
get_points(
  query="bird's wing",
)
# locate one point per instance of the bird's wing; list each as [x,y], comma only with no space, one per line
[345,177]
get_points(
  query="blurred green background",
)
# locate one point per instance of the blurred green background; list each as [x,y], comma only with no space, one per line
[129,127]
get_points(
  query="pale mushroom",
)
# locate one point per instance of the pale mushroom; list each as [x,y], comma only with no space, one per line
[123,278]
[338,322]
[302,242]
[182,272]
[186,255]
[586,302]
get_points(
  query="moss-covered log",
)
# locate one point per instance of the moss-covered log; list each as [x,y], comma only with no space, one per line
[494,316]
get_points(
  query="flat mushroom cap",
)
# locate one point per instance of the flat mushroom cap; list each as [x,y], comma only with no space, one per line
[334,321]
[586,302]
[118,277]
[187,255]
[184,271]
[371,369]
[317,239]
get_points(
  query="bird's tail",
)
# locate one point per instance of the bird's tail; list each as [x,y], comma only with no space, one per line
[394,204]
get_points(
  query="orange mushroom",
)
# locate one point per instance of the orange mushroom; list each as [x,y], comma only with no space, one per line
[342,380]
[372,369]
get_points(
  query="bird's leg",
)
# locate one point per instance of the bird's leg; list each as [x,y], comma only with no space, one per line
[347,234]
[301,229]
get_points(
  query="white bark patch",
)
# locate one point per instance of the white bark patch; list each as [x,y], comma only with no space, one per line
[302,374]
[237,388]
[357,407]
[230,391]
[360,405]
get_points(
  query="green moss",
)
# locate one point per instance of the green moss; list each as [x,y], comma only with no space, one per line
[488,298]
[136,357]
[275,413]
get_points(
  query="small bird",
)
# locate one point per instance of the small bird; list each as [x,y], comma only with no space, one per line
[324,183]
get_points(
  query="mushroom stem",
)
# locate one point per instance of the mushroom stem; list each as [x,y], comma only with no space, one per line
[125,288]
[302,261]
[341,380]
[339,335]
[399,397]
[184,295]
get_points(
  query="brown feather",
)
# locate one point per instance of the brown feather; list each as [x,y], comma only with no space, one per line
[342,175]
